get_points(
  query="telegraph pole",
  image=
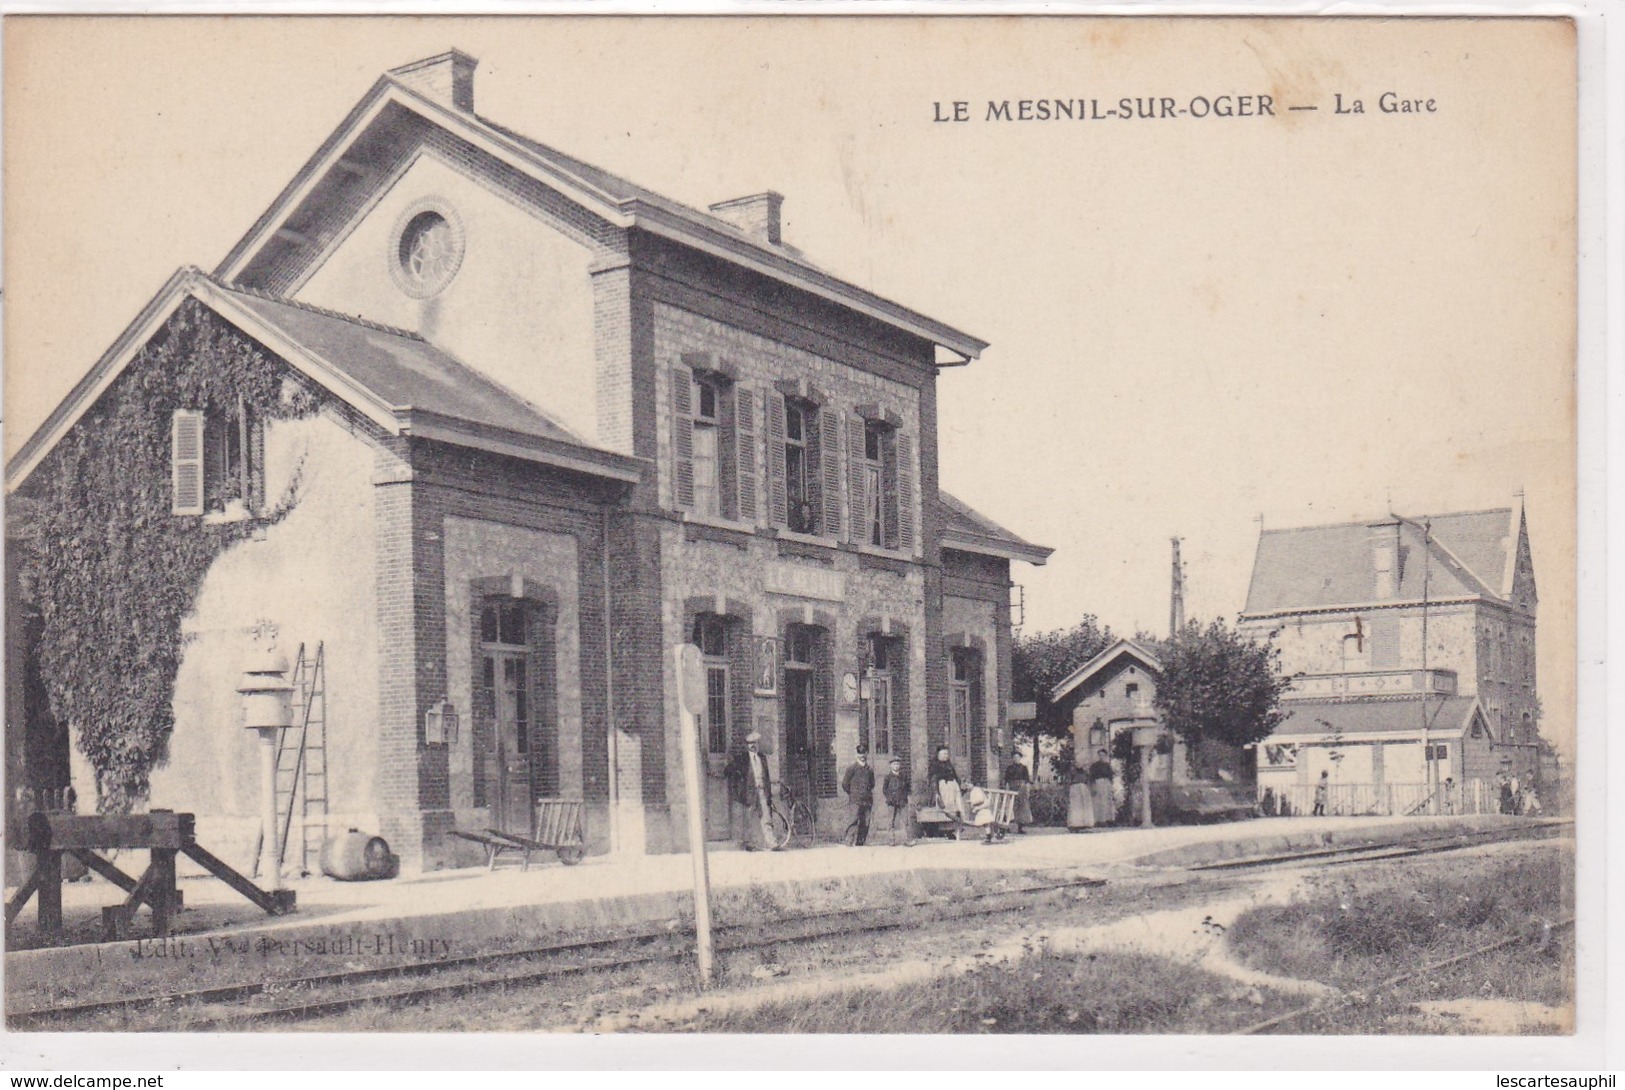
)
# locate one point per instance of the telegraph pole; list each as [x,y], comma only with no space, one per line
[1176,601]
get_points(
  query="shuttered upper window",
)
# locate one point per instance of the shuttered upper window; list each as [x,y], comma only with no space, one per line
[880,478]
[186,461]
[214,461]
[713,444]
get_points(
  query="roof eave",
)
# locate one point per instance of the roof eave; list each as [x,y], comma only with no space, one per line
[427,424]
[663,221]
[1348,607]
[668,223]
[1123,646]
[95,381]
[1035,555]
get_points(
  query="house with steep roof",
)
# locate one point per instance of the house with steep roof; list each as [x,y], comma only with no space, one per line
[1411,644]
[563,424]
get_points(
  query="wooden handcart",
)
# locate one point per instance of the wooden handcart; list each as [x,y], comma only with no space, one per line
[989,822]
[557,829]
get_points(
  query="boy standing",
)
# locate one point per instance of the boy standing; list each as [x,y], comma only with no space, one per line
[895,789]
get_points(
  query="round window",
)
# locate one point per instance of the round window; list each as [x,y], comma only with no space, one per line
[428,250]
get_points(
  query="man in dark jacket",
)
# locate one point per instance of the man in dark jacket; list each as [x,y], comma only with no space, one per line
[859,785]
[750,789]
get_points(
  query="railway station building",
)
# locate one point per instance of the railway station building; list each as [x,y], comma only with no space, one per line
[560,424]
[1411,644]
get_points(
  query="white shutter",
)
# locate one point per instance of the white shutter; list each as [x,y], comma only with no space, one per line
[186,461]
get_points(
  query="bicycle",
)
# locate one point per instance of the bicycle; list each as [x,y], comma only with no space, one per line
[788,817]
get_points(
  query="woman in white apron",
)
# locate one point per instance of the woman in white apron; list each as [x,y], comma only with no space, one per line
[1080,806]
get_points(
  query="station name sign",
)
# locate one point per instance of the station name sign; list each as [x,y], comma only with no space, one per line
[800,581]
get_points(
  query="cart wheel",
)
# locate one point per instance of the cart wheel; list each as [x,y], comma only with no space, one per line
[572,855]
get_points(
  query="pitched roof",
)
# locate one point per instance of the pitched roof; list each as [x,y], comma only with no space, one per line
[1106,660]
[1314,720]
[403,370]
[618,200]
[393,377]
[968,530]
[1466,554]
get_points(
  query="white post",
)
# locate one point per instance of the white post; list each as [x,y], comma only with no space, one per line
[691,697]
[270,857]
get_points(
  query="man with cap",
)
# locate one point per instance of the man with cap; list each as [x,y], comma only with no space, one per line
[896,790]
[859,785]
[750,786]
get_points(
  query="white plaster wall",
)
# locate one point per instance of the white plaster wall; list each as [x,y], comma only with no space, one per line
[310,576]
[518,310]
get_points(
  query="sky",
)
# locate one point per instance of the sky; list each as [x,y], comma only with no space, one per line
[1197,325]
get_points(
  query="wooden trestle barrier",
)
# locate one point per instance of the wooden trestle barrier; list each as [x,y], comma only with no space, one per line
[162,833]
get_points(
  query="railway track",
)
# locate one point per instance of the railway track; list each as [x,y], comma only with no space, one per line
[1371,853]
[293,999]
[301,998]
[1332,1003]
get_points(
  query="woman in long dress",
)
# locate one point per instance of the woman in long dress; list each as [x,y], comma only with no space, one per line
[1100,789]
[1080,807]
[945,780]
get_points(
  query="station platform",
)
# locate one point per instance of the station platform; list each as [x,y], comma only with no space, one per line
[456,913]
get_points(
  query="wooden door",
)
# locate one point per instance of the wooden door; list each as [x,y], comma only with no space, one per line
[509,757]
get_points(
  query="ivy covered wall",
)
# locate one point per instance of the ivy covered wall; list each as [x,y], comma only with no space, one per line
[112,572]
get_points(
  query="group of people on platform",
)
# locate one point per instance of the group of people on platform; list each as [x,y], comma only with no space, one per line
[750,795]
[1089,802]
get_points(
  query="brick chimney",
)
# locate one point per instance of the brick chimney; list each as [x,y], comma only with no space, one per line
[757,215]
[1384,538]
[447,78]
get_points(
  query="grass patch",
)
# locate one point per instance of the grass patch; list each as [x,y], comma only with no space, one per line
[1043,992]
[1354,932]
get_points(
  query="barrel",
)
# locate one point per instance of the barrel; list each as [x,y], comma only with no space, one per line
[358,857]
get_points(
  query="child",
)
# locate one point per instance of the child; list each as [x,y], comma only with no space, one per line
[895,790]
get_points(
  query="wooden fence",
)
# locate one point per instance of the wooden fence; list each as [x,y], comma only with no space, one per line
[1383,799]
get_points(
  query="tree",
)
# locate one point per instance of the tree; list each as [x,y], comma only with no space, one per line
[1043,660]
[1218,685]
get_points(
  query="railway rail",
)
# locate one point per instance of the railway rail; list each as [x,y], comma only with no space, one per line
[479,972]
[1371,853]
[1331,1003]
[298,998]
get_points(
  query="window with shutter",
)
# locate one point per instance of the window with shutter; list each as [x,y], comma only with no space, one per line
[778,493]
[905,492]
[727,471]
[186,461]
[857,469]
[801,467]
[682,437]
[888,495]
[744,404]
[829,453]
